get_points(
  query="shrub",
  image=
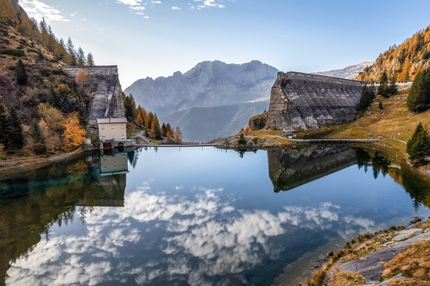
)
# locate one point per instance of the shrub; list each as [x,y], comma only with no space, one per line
[242,140]
[15,53]
[20,73]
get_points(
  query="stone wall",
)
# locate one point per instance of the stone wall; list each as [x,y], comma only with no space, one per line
[290,168]
[300,101]
[104,86]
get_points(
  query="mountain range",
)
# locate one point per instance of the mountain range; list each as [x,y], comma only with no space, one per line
[205,85]
[350,72]
[213,99]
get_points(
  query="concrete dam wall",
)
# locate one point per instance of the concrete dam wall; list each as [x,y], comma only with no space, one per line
[290,168]
[301,101]
[104,86]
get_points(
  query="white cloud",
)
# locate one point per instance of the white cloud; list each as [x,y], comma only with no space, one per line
[138,6]
[176,8]
[38,10]
[134,5]
[208,4]
[199,237]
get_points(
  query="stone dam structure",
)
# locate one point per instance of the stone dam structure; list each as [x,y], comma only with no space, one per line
[103,84]
[290,168]
[300,101]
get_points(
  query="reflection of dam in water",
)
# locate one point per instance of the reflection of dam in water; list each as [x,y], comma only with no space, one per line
[110,170]
[290,168]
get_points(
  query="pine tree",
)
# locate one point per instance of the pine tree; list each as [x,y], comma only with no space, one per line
[163,130]
[130,107]
[418,130]
[39,143]
[15,134]
[383,85]
[90,60]
[81,57]
[20,73]
[367,95]
[52,97]
[392,87]
[418,147]
[71,50]
[155,127]
[419,94]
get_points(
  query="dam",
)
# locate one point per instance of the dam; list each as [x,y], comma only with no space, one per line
[300,101]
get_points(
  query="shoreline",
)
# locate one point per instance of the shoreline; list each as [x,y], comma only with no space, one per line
[364,260]
[28,163]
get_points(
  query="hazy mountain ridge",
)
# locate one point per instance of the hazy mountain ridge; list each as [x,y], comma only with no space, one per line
[207,84]
[207,123]
[349,72]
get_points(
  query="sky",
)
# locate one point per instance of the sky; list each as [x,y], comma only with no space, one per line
[153,38]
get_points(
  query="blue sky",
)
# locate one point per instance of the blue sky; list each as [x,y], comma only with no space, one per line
[158,37]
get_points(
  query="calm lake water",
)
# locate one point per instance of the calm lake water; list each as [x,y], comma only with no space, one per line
[196,216]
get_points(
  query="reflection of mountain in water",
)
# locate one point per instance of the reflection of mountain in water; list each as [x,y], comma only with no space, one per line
[32,202]
[290,168]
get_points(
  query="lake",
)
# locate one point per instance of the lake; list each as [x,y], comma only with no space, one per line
[197,216]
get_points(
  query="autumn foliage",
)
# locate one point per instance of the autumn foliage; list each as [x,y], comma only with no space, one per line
[81,77]
[42,109]
[149,122]
[401,62]
[74,134]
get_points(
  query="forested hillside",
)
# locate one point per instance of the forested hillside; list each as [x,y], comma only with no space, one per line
[401,62]
[42,110]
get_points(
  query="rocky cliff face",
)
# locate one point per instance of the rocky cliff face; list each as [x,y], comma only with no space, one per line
[208,84]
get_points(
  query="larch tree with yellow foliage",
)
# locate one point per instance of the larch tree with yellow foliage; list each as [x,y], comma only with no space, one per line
[178,135]
[74,134]
[81,78]
[169,131]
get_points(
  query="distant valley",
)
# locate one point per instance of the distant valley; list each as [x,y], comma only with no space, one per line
[213,99]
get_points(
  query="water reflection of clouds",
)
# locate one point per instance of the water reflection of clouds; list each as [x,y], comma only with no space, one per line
[167,234]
